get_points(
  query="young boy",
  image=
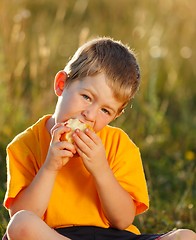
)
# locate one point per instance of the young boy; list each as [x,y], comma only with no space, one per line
[94,187]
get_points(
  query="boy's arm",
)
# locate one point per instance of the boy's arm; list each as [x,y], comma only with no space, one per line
[36,196]
[117,203]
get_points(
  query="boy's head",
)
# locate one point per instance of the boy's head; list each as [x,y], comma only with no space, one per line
[115,60]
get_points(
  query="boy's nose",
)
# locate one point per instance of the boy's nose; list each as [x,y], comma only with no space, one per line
[90,114]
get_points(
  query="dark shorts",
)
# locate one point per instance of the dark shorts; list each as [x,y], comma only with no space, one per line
[98,233]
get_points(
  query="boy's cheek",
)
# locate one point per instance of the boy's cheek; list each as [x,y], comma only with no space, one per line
[98,128]
[101,123]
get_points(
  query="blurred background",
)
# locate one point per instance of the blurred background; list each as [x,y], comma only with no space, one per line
[37,39]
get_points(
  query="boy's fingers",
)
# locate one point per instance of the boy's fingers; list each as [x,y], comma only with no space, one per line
[58,131]
[68,146]
[92,135]
[88,138]
[55,127]
[81,153]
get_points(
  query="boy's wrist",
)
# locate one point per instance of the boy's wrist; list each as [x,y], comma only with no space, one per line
[103,174]
[49,170]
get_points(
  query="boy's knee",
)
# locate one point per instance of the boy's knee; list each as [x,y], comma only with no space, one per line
[188,234]
[20,224]
[184,234]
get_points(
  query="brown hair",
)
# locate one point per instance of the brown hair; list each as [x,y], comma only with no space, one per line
[112,58]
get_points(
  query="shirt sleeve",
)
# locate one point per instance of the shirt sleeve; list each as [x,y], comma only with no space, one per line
[20,169]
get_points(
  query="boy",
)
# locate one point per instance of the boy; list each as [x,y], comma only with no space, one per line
[94,187]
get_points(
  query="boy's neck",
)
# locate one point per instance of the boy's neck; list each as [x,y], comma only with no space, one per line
[50,123]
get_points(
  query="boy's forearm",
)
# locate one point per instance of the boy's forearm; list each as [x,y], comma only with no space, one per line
[117,204]
[36,196]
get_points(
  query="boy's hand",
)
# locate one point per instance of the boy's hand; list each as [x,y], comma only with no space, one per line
[59,152]
[90,148]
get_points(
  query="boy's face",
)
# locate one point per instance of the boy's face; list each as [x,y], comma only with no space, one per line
[90,100]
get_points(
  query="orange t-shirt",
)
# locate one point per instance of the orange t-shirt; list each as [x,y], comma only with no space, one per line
[74,200]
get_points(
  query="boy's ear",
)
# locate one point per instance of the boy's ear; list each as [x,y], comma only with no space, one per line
[60,82]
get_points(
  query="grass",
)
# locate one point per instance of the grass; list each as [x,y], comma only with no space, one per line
[36,40]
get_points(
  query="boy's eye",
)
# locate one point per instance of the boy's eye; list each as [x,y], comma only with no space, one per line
[86,97]
[105,111]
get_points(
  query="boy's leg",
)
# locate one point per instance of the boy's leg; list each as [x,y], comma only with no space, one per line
[26,225]
[180,234]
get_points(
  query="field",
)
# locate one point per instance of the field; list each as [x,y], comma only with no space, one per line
[38,37]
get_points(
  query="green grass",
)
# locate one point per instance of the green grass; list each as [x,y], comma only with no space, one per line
[36,40]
